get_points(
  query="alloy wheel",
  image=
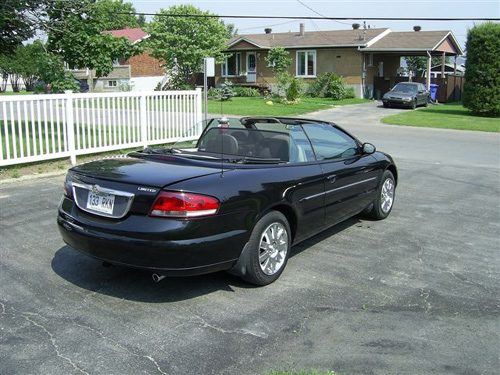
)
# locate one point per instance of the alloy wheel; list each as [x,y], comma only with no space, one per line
[273,248]
[387,195]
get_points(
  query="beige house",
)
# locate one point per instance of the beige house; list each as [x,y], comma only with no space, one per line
[363,57]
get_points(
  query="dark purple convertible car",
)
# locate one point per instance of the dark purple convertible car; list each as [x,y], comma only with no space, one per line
[235,199]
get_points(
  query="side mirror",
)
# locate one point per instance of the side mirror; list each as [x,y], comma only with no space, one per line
[368,148]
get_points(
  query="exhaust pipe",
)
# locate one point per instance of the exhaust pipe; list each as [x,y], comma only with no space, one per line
[157,277]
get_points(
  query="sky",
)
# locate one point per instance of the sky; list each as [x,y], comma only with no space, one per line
[340,8]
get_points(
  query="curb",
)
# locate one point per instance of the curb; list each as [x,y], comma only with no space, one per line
[32,177]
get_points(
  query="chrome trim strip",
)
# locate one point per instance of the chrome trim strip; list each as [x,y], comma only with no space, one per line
[353,184]
[129,196]
[312,196]
[337,189]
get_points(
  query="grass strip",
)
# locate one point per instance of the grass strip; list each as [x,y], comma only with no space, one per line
[445,116]
[259,107]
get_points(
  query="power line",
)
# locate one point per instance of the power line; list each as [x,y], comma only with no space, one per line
[261,27]
[314,18]
[319,14]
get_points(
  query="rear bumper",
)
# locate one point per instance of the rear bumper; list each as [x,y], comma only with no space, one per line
[172,247]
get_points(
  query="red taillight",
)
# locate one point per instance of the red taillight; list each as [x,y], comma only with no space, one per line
[177,204]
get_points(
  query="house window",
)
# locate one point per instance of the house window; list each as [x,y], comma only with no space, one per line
[369,59]
[232,66]
[306,63]
[112,83]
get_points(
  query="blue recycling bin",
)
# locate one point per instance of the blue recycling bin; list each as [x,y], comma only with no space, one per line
[434,90]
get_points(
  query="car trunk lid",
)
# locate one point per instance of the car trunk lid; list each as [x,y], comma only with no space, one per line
[114,187]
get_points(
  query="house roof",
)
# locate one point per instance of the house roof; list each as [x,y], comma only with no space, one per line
[370,40]
[458,67]
[411,41]
[338,38]
[133,35]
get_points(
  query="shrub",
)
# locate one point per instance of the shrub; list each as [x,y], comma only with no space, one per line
[214,93]
[350,93]
[67,82]
[247,92]
[482,70]
[330,85]
[292,92]
[125,87]
[227,90]
[40,87]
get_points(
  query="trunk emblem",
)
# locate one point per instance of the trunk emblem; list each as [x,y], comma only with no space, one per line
[149,190]
[95,189]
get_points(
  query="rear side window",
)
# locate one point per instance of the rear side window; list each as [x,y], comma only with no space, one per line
[330,143]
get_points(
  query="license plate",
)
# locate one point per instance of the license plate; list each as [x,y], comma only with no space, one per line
[101,202]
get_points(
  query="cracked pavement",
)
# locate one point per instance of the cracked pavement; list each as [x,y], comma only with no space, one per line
[414,294]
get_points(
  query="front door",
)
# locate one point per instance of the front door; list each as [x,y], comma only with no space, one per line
[350,178]
[251,67]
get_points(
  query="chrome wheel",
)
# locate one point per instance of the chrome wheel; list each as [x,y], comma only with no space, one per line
[273,248]
[387,195]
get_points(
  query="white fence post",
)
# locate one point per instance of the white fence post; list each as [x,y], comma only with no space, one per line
[198,110]
[143,120]
[70,126]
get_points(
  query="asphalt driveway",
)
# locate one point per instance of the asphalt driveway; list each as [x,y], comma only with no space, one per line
[414,294]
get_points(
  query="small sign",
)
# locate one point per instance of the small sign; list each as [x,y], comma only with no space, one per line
[210,66]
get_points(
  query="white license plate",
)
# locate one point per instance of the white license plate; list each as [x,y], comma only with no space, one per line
[101,202]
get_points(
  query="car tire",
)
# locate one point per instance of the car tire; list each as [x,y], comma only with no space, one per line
[413,104]
[386,105]
[268,249]
[382,206]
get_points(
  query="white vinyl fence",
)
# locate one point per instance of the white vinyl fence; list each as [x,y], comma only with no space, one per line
[42,127]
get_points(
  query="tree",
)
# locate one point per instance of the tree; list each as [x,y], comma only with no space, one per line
[15,25]
[114,21]
[418,64]
[27,59]
[278,59]
[74,28]
[53,72]
[232,31]
[7,69]
[482,70]
[78,37]
[183,42]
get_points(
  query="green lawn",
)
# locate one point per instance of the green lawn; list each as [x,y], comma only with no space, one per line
[17,93]
[48,144]
[446,116]
[258,106]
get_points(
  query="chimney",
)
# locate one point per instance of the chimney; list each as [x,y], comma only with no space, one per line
[355,26]
[302,29]
[417,28]
[268,30]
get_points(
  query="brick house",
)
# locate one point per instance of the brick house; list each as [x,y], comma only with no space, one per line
[139,73]
[364,58]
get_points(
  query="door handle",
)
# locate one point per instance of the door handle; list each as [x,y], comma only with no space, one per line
[331,179]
